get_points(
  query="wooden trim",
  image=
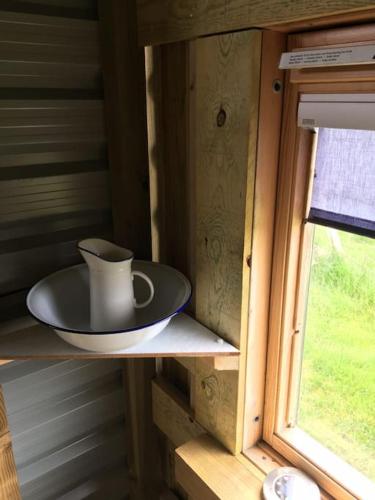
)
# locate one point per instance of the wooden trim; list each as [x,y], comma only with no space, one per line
[161,22]
[205,230]
[309,452]
[125,116]
[206,470]
[223,132]
[142,441]
[219,363]
[293,194]
[263,229]
[9,488]
[171,413]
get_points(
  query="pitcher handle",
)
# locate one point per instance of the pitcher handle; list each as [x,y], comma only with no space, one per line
[152,291]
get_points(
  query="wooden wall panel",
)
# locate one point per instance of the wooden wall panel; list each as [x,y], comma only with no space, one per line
[206,102]
[125,108]
[225,114]
[9,488]
[163,21]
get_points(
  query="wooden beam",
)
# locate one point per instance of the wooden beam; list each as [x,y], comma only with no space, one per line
[206,470]
[125,113]
[223,139]
[172,414]
[270,109]
[9,488]
[142,442]
[209,114]
[163,21]
[220,363]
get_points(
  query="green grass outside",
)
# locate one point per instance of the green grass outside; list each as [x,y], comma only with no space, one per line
[337,402]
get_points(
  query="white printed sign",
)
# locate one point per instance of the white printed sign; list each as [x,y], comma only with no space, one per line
[363,54]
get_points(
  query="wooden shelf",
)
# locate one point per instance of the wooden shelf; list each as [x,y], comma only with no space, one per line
[185,337]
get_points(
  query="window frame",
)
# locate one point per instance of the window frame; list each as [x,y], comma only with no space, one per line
[290,236]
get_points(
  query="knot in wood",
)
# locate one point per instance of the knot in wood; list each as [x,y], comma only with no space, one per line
[221,118]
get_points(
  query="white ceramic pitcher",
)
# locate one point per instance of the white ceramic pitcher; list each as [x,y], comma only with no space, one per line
[112,302]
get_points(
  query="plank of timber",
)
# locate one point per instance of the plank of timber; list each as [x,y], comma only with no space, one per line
[270,108]
[172,414]
[223,135]
[142,441]
[9,488]
[125,113]
[162,21]
[216,363]
[206,470]
[183,337]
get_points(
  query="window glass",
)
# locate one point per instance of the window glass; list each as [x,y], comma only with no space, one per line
[337,391]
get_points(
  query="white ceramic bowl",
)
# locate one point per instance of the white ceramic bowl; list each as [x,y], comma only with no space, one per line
[62,301]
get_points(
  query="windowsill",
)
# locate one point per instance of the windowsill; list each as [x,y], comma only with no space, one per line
[205,469]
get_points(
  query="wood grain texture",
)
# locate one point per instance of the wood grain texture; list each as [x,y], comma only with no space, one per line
[205,95]
[226,88]
[270,110]
[206,470]
[172,414]
[125,109]
[223,137]
[9,489]
[142,441]
[161,21]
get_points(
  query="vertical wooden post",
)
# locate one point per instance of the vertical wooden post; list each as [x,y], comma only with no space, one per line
[207,101]
[9,489]
[125,113]
[223,135]
[125,108]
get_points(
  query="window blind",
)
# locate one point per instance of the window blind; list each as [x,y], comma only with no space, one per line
[343,192]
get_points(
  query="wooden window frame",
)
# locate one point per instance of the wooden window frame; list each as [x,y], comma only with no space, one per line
[290,236]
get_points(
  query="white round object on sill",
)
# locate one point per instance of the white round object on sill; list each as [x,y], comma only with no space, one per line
[289,483]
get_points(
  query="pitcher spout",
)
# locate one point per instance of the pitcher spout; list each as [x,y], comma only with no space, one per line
[103,254]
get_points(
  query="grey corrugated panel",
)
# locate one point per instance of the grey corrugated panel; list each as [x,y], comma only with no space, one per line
[62,430]
[13,305]
[17,51]
[30,28]
[37,112]
[12,372]
[32,154]
[52,224]
[49,76]
[57,483]
[67,423]
[51,184]
[17,393]
[35,416]
[66,453]
[111,485]
[23,269]
[50,236]
[85,9]
[77,4]
[39,227]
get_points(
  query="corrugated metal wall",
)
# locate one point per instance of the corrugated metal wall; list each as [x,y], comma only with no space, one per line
[53,161]
[68,429]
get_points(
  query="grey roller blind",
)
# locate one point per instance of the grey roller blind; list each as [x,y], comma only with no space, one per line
[343,194]
[344,184]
